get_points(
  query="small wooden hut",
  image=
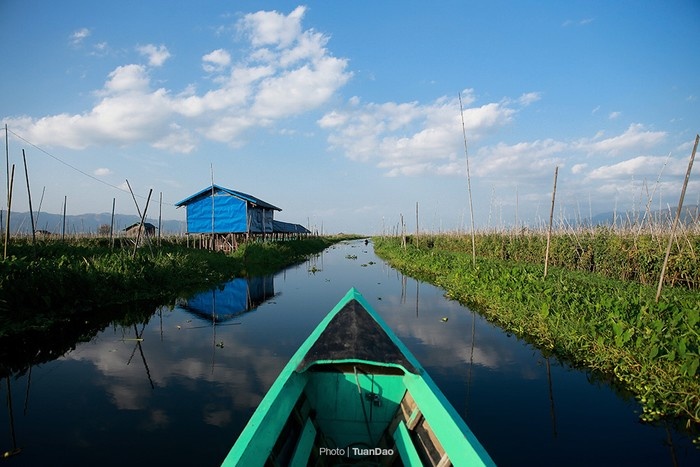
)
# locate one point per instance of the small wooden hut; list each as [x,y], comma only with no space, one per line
[149,230]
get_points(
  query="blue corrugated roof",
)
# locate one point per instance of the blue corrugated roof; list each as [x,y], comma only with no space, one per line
[286,227]
[237,194]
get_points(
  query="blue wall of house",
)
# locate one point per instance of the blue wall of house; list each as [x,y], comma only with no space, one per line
[229,215]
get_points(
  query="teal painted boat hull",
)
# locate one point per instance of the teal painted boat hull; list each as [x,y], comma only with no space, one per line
[353,393]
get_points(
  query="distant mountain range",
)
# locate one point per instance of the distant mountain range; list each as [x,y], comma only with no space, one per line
[20,223]
[689,215]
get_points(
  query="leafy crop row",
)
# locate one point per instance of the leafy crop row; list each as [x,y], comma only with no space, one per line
[608,325]
[624,256]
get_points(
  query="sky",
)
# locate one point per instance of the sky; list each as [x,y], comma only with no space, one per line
[351,116]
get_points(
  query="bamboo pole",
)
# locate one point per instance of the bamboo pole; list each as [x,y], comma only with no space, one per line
[133,197]
[676,219]
[143,218]
[7,162]
[111,225]
[160,216]
[469,182]
[63,230]
[551,217]
[9,209]
[29,193]
[41,202]
[211,167]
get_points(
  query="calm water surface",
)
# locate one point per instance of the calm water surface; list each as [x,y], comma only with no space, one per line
[178,390]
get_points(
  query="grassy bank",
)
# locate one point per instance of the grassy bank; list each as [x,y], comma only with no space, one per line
[43,283]
[624,254]
[605,324]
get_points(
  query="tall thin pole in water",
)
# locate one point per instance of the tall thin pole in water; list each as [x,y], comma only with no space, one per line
[111,225]
[676,219]
[469,181]
[141,224]
[551,217]
[160,216]
[29,193]
[7,160]
[63,229]
[9,208]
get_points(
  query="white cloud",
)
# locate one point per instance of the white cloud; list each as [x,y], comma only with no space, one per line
[126,79]
[412,138]
[638,167]
[157,55]
[270,28]
[288,71]
[634,138]
[614,115]
[529,98]
[524,159]
[578,168]
[216,61]
[300,89]
[579,22]
[79,36]
[101,172]
[177,139]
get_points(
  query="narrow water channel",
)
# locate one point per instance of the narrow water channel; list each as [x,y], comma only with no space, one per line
[178,390]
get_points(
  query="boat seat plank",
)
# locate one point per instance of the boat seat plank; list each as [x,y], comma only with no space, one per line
[404,445]
[303,449]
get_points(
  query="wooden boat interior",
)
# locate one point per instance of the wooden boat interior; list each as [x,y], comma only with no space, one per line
[385,420]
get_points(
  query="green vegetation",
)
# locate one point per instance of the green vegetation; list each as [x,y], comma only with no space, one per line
[606,324]
[45,284]
[627,255]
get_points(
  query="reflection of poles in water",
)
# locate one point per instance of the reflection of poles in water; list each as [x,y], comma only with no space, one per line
[248,297]
[26,395]
[417,287]
[139,338]
[404,280]
[314,263]
[160,319]
[15,449]
[552,411]
[213,327]
[671,446]
[471,364]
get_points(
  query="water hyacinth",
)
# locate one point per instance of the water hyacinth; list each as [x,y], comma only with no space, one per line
[610,325]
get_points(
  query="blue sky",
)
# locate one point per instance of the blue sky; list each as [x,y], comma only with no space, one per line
[347,114]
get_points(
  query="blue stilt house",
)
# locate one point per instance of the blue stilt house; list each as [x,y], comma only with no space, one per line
[223,214]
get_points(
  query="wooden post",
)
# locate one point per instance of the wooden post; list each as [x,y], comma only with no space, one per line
[143,218]
[111,225]
[403,233]
[7,163]
[41,202]
[29,193]
[469,182]
[551,217]
[63,230]
[9,209]
[160,216]
[134,198]
[676,219]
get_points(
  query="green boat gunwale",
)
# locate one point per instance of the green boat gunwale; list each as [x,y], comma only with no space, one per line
[260,435]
